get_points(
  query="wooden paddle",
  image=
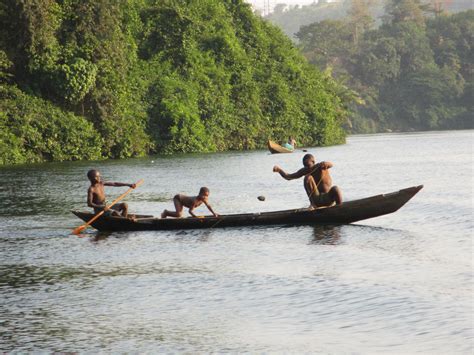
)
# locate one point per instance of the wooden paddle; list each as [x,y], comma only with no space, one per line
[79,229]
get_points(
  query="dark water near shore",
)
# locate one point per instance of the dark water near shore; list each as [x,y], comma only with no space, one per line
[401,283]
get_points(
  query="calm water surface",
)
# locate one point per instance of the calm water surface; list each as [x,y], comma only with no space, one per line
[401,283]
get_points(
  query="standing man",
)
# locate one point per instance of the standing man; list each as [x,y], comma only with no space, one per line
[317,182]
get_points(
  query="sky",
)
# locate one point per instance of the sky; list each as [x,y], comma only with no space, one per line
[260,4]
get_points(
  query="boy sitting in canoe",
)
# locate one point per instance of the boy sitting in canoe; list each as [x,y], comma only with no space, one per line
[96,195]
[291,144]
[191,202]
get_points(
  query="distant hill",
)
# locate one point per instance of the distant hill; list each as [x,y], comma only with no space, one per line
[290,17]
[413,72]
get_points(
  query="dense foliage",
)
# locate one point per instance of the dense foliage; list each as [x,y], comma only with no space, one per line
[414,72]
[119,78]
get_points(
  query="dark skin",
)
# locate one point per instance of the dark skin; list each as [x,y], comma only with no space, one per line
[96,195]
[317,181]
[191,202]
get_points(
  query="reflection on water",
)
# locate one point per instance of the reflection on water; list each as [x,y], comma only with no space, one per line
[32,277]
[326,234]
[388,285]
[97,236]
[17,276]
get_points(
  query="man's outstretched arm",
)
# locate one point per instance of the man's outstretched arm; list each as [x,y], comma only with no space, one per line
[295,175]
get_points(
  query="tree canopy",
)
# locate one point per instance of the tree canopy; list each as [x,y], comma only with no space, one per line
[108,78]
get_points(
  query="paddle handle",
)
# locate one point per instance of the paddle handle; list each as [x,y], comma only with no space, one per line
[84,226]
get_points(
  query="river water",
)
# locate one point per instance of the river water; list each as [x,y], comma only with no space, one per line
[401,283]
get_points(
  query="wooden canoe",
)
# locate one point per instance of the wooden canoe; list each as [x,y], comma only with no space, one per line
[276,148]
[348,212]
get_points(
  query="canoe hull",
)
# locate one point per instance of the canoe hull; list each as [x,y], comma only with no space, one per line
[276,148]
[348,212]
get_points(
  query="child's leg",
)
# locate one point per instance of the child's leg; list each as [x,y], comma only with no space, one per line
[177,205]
[123,208]
[117,210]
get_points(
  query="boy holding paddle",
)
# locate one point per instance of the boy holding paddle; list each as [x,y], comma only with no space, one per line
[96,195]
[181,201]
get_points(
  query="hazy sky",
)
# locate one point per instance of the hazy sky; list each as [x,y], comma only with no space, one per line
[259,4]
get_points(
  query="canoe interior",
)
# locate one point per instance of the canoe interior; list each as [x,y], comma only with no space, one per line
[348,212]
[275,148]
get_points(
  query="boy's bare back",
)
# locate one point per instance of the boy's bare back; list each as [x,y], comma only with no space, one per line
[189,201]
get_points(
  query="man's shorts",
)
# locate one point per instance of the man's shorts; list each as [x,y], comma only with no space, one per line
[112,211]
[321,200]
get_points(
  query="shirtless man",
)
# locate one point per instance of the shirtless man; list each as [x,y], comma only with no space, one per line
[96,195]
[317,182]
[181,201]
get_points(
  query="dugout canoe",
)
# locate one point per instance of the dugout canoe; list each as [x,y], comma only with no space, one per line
[348,212]
[276,148]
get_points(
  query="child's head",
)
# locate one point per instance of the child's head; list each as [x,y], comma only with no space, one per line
[93,175]
[203,192]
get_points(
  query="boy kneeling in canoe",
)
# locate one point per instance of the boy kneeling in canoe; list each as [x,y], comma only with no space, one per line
[191,202]
[96,195]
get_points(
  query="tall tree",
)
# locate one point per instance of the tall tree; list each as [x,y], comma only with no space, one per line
[405,10]
[360,18]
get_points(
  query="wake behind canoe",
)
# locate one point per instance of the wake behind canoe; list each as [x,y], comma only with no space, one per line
[347,212]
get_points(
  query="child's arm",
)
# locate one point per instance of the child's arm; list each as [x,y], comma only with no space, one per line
[191,211]
[109,183]
[210,209]
[191,203]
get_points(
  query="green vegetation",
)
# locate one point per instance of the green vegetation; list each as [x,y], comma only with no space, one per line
[119,78]
[414,72]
